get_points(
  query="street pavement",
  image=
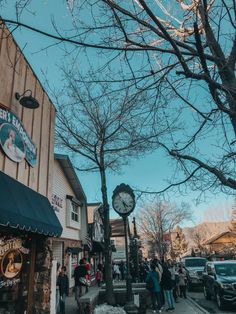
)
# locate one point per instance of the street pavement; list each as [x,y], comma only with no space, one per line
[210,305]
[185,306]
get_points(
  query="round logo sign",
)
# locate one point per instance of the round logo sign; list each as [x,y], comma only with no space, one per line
[11,263]
[11,142]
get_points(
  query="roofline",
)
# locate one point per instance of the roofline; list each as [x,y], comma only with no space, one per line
[65,158]
[216,237]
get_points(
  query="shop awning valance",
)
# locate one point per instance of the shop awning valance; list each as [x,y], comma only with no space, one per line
[74,250]
[98,246]
[25,209]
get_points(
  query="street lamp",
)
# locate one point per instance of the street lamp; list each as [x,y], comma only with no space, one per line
[123,202]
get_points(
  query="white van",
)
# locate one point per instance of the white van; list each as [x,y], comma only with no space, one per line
[195,267]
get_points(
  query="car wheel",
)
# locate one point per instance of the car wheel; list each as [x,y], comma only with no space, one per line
[206,293]
[220,302]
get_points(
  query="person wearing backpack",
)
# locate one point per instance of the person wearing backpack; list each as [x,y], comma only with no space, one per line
[153,285]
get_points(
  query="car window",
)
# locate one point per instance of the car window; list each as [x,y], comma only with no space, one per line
[195,262]
[226,269]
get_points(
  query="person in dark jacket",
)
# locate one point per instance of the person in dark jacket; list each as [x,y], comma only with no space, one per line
[122,270]
[156,289]
[63,284]
[167,285]
[142,272]
[80,274]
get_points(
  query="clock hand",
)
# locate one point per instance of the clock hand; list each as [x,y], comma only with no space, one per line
[122,200]
[125,204]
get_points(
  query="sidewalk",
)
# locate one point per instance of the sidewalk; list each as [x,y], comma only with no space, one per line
[71,304]
[184,306]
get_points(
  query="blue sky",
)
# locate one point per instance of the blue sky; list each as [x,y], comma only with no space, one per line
[150,172]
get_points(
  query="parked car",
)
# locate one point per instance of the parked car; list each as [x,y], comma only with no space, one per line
[194,267]
[219,282]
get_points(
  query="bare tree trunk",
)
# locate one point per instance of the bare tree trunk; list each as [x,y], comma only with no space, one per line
[110,298]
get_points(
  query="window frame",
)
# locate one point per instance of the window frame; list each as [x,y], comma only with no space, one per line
[73,212]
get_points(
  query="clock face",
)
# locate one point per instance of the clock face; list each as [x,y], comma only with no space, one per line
[123,202]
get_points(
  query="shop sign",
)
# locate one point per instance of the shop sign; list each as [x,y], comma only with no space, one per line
[11,260]
[14,139]
[57,202]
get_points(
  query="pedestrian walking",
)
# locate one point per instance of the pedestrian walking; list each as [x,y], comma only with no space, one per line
[167,285]
[182,283]
[116,272]
[159,269]
[175,280]
[80,274]
[88,276]
[63,284]
[153,278]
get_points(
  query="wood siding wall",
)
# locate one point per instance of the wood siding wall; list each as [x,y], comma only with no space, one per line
[61,188]
[16,75]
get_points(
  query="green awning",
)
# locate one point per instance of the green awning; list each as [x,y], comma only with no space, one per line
[25,209]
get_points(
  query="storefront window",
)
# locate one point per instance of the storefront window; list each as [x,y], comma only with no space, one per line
[14,274]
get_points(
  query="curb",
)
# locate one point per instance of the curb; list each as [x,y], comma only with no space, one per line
[198,306]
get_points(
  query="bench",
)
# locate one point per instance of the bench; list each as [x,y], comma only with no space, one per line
[88,301]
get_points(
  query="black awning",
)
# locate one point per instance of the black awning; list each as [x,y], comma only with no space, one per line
[74,250]
[25,209]
[98,246]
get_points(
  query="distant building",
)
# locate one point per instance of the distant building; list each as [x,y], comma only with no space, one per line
[70,205]
[96,233]
[223,245]
[118,239]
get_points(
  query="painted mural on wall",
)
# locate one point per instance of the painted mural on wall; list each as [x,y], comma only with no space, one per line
[14,140]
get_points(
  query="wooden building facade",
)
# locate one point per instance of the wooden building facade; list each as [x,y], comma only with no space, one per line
[27,219]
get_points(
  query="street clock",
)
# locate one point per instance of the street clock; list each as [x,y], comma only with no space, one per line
[123,200]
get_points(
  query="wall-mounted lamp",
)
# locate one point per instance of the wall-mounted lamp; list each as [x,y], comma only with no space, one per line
[27,101]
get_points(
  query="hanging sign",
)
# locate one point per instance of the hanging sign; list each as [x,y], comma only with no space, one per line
[11,260]
[14,139]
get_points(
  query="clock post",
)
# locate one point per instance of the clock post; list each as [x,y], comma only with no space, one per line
[123,202]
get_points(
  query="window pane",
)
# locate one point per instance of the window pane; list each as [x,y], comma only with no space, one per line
[75,212]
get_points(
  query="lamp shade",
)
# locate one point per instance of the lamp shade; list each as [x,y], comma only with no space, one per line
[27,101]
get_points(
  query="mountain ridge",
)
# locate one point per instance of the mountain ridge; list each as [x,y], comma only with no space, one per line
[204,231]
